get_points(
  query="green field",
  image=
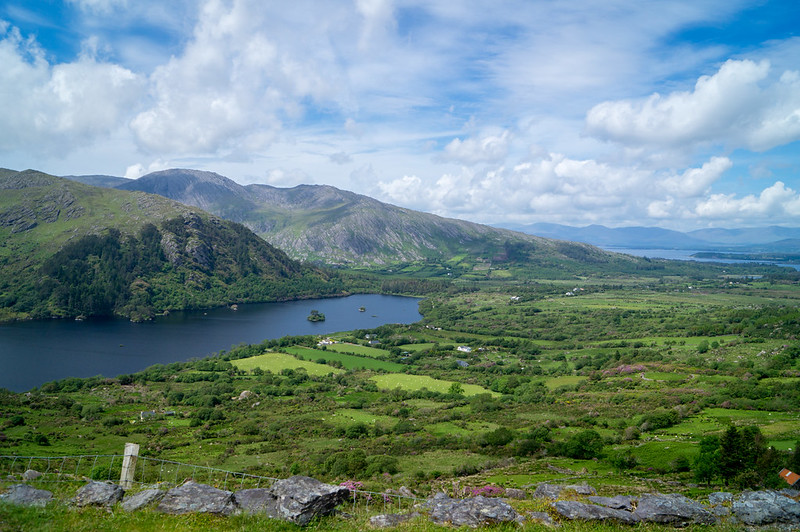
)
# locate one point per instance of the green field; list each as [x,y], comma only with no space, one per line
[276,362]
[348,361]
[357,349]
[419,382]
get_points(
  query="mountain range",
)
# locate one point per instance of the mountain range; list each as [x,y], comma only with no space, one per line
[326,225]
[68,249]
[757,239]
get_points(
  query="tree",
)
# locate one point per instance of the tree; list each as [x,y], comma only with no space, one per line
[730,461]
[583,446]
[456,389]
[706,464]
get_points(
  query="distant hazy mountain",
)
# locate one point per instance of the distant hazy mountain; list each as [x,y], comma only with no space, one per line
[325,224]
[764,239]
[108,181]
[70,249]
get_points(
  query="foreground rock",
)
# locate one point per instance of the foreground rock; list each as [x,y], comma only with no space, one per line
[582,511]
[142,499]
[473,512]
[673,509]
[297,499]
[192,497]
[765,508]
[98,494]
[556,491]
[24,495]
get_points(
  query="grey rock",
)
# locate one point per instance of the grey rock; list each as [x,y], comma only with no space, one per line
[473,511]
[192,497]
[98,494]
[553,491]
[582,511]
[31,474]
[542,518]
[514,493]
[257,500]
[673,509]
[24,495]
[720,497]
[300,498]
[618,502]
[390,520]
[137,501]
[766,507]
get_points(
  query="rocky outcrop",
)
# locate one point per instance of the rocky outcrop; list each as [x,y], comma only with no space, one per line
[192,497]
[473,511]
[581,511]
[140,500]
[766,508]
[24,495]
[555,491]
[301,498]
[98,494]
[673,509]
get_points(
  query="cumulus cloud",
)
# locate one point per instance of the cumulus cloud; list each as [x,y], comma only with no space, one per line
[696,181]
[489,148]
[772,203]
[56,108]
[740,106]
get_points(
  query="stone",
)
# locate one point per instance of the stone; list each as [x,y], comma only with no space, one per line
[257,500]
[390,520]
[137,501]
[720,497]
[583,511]
[24,495]
[554,491]
[98,494]
[31,474]
[618,502]
[673,509]
[472,512]
[542,518]
[299,498]
[514,493]
[766,507]
[192,497]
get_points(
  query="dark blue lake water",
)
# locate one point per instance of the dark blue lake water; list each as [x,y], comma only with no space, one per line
[35,352]
[686,254]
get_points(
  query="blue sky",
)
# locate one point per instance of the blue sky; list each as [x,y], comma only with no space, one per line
[678,114]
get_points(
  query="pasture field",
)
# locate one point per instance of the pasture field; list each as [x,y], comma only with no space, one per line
[347,361]
[419,382]
[356,349]
[277,362]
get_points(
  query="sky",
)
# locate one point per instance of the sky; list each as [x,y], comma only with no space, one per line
[672,113]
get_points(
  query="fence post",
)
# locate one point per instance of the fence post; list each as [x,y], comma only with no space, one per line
[129,465]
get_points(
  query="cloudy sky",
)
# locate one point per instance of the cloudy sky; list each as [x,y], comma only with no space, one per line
[678,114]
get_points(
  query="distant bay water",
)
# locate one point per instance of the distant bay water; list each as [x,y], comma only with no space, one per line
[35,352]
[686,254]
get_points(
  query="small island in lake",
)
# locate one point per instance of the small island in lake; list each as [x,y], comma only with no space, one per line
[361,309]
[316,316]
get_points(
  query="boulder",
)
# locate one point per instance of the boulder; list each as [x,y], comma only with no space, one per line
[554,491]
[618,502]
[514,493]
[137,501]
[390,520]
[720,497]
[472,512]
[673,509]
[192,497]
[542,518]
[300,498]
[98,494]
[257,500]
[31,474]
[766,507]
[583,511]
[24,495]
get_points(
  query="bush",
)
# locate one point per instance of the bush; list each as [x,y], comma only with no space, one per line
[582,446]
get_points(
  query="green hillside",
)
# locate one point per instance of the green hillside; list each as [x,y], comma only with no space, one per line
[69,249]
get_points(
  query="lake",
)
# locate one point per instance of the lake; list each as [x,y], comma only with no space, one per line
[39,351]
[686,254]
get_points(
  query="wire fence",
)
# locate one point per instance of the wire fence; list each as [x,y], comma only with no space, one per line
[156,472]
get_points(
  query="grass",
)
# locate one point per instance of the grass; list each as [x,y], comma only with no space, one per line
[567,380]
[357,349]
[277,362]
[419,382]
[348,361]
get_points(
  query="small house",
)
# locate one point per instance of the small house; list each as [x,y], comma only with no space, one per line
[146,414]
[793,479]
[464,349]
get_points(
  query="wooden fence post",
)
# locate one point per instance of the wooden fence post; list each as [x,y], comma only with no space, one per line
[129,465]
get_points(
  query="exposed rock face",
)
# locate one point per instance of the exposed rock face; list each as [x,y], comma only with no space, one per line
[301,498]
[98,494]
[192,497]
[673,509]
[766,507]
[142,499]
[591,512]
[619,502]
[24,495]
[257,500]
[390,520]
[473,512]
[554,491]
[31,474]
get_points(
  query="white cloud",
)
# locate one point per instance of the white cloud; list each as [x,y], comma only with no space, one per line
[489,148]
[696,181]
[739,106]
[771,204]
[57,108]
